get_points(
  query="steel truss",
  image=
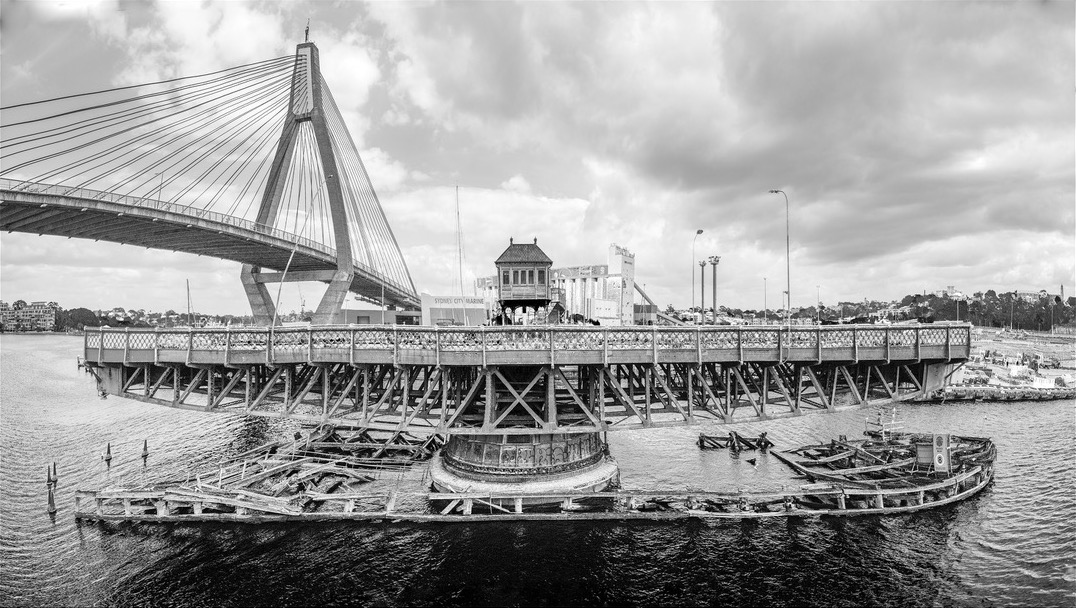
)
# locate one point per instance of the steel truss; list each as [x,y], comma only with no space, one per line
[523,399]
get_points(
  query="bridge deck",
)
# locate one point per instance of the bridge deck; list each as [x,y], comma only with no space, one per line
[525,380]
[541,345]
[141,222]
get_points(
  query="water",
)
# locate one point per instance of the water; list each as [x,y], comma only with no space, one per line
[1014,544]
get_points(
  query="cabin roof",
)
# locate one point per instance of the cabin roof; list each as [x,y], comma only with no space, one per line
[523,253]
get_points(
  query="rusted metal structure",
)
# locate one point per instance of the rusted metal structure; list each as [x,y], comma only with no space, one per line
[525,380]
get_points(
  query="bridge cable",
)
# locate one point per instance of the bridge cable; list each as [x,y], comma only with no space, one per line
[223,84]
[134,86]
[84,145]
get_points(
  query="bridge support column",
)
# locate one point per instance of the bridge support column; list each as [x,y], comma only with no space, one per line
[261,305]
[332,302]
[547,463]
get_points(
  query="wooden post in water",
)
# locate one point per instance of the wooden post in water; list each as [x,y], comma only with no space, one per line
[50,484]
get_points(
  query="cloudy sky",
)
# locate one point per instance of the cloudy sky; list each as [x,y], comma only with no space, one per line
[920,144]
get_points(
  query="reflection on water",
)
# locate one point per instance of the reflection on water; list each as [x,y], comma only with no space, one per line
[1012,544]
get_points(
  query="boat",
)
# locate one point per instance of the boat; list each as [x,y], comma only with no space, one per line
[892,470]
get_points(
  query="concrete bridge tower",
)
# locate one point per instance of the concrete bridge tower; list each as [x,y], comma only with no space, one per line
[329,173]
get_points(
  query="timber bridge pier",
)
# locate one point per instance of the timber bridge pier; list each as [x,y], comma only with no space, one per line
[525,380]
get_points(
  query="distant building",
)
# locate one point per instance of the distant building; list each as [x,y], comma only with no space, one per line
[453,310]
[360,316]
[35,316]
[950,292]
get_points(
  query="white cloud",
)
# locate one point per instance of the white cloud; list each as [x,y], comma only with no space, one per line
[386,174]
[106,17]
[517,183]
[920,143]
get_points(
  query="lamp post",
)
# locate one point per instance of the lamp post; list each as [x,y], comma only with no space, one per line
[788,258]
[714,259]
[817,305]
[697,233]
[702,292]
[765,307]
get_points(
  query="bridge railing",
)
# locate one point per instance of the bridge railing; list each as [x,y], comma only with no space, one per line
[187,211]
[528,345]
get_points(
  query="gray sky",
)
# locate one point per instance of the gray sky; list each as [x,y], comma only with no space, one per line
[920,144]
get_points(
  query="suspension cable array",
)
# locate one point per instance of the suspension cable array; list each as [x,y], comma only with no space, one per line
[208,142]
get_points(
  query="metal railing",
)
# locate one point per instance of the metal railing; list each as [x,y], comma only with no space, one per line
[560,342]
[186,211]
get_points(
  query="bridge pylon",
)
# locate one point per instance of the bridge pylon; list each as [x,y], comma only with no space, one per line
[310,116]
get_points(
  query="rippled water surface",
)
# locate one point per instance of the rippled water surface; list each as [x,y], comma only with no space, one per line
[1014,544]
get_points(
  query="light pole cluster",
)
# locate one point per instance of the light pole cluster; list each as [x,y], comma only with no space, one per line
[714,260]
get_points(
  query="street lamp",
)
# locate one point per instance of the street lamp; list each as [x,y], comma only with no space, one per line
[697,233]
[818,304]
[765,309]
[788,258]
[702,292]
[714,259]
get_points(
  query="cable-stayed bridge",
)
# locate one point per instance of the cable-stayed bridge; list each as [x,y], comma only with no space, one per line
[252,164]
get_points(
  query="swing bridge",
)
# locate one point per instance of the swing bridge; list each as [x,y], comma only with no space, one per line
[255,164]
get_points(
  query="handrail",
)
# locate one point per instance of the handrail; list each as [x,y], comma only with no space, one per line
[187,211]
[440,341]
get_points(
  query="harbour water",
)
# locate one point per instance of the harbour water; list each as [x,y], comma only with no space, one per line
[1014,544]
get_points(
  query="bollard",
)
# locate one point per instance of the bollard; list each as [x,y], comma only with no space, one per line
[108,454]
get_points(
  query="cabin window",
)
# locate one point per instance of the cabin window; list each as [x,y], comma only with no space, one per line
[505,277]
[530,277]
[515,277]
[541,277]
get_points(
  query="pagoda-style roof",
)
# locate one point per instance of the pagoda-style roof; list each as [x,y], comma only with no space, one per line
[523,253]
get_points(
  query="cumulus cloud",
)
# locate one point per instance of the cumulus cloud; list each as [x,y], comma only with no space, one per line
[517,183]
[920,144]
